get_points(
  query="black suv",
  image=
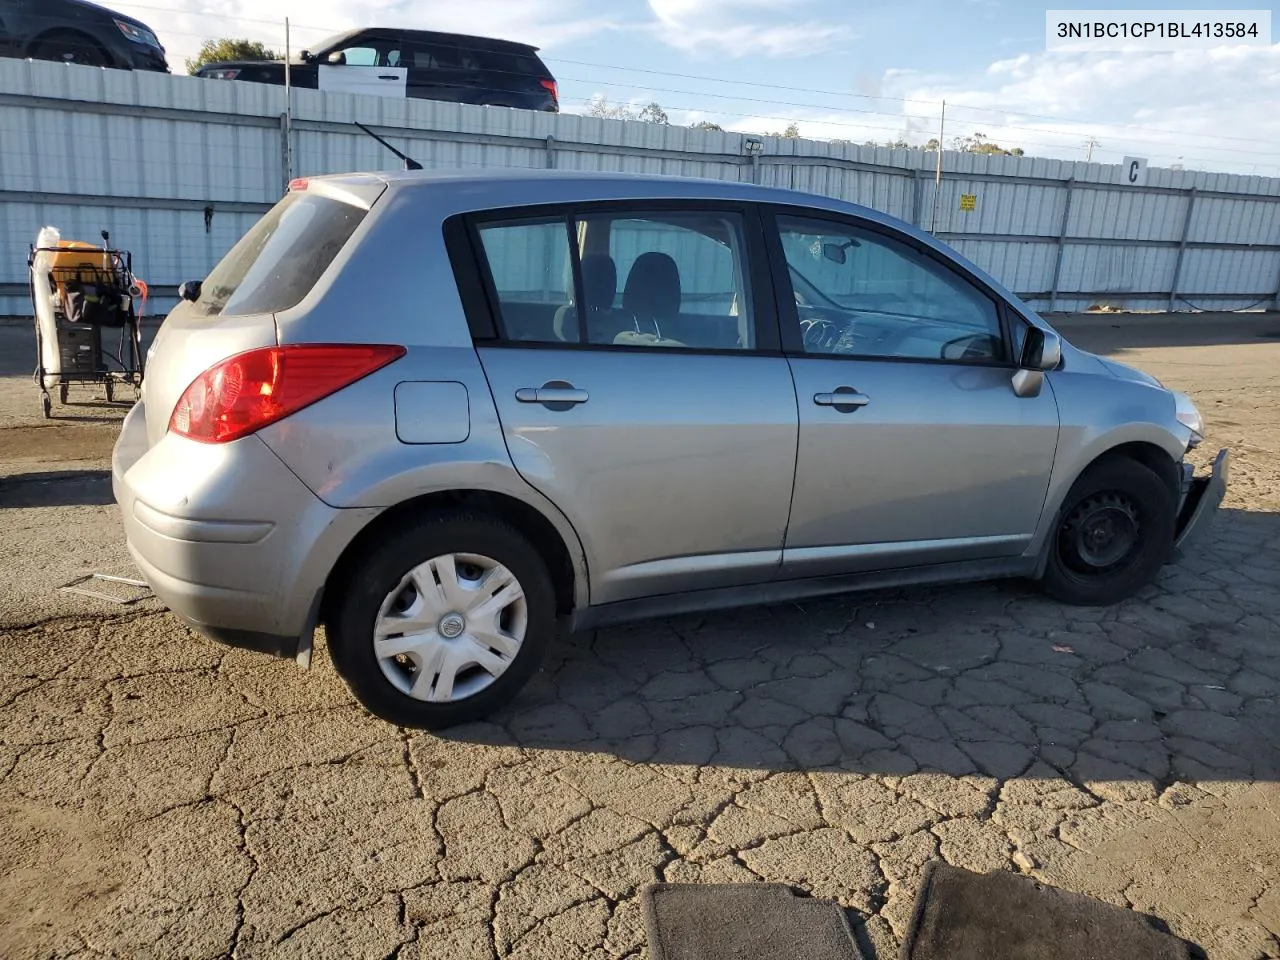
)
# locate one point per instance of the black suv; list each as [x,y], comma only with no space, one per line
[412,63]
[76,31]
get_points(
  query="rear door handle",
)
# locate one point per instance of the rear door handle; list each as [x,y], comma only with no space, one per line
[388,76]
[555,395]
[844,399]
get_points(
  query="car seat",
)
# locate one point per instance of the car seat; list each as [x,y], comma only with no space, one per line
[652,293]
[599,287]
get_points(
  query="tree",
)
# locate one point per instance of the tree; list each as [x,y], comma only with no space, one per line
[978,143]
[600,106]
[707,125]
[230,48]
[791,132]
[652,113]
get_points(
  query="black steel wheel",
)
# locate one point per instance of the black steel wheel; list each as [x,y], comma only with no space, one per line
[1101,534]
[1114,533]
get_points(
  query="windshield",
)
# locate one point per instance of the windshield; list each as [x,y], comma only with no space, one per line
[277,262]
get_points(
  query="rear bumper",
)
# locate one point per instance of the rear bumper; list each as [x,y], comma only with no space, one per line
[1202,496]
[227,536]
[148,58]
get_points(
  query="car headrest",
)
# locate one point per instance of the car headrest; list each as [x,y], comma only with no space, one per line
[653,286]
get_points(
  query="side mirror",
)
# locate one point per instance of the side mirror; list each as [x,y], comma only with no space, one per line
[1041,350]
[833,252]
[190,290]
[305,56]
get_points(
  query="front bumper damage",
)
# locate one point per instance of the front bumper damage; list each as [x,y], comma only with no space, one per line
[1201,497]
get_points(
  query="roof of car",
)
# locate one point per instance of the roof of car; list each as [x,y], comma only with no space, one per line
[554,186]
[681,186]
[430,36]
[99,8]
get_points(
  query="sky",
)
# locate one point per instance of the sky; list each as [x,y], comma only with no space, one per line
[840,69]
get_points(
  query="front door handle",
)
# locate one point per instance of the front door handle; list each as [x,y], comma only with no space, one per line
[554,395]
[844,399]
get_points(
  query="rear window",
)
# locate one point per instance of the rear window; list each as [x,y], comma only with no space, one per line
[277,262]
[504,62]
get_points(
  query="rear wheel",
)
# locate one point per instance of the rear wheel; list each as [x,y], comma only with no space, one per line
[66,46]
[442,621]
[1114,534]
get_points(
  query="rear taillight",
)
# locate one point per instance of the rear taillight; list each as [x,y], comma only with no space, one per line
[554,88]
[245,393]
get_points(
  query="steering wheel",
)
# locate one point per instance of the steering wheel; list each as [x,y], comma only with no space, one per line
[972,346]
[820,334]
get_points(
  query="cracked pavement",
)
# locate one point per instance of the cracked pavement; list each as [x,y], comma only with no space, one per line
[165,796]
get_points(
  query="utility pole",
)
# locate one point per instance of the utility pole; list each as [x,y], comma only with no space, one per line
[937,174]
[288,109]
[1088,149]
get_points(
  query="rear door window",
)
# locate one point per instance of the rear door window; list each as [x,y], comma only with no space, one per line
[280,259]
[674,279]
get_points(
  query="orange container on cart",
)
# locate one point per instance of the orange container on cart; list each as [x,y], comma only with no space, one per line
[73,261]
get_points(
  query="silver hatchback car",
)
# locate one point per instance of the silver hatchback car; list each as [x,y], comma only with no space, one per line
[445,415]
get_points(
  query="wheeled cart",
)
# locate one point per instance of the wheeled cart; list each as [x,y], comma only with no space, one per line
[88,327]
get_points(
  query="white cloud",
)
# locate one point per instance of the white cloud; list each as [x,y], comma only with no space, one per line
[1217,110]
[741,28]
[1175,107]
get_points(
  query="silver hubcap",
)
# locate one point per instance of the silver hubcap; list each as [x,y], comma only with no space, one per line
[450,628]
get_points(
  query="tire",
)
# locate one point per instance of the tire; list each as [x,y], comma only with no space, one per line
[111,390]
[1114,533]
[62,394]
[400,685]
[67,46]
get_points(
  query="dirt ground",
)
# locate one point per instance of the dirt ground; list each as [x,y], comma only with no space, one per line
[163,796]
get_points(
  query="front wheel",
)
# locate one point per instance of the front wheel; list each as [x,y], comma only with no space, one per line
[442,621]
[1114,534]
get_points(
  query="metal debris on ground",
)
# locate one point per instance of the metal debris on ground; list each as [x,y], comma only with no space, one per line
[141,591]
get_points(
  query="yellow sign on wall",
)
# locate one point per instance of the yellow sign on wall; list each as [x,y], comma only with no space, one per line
[968,201]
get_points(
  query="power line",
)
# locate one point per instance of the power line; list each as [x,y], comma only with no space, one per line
[932,103]
[586,101]
[879,113]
